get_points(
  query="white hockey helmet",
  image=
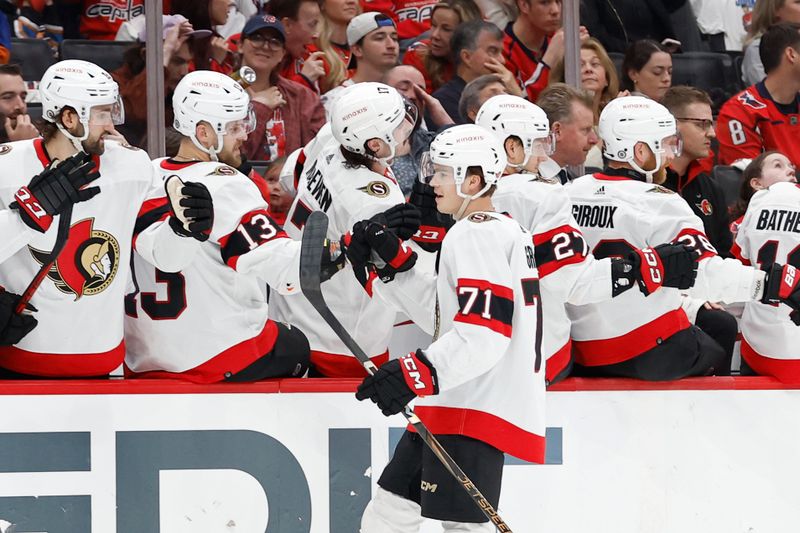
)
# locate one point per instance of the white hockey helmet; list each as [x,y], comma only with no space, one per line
[214,98]
[460,148]
[82,86]
[629,120]
[371,110]
[507,115]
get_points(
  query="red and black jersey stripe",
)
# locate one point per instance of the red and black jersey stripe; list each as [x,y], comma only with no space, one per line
[557,248]
[152,211]
[483,303]
[256,228]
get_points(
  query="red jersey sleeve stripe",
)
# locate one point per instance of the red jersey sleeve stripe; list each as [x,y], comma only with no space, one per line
[255,228]
[698,241]
[558,248]
[482,303]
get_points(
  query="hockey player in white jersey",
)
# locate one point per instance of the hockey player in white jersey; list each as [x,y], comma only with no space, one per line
[769,232]
[568,272]
[624,207]
[209,322]
[80,303]
[350,180]
[481,384]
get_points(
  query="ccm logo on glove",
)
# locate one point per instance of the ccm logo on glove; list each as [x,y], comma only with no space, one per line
[417,377]
[652,261]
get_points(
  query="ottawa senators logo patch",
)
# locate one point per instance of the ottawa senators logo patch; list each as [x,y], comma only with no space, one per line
[660,189]
[4,149]
[480,217]
[88,263]
[377,189]
[705,207]
[224,170]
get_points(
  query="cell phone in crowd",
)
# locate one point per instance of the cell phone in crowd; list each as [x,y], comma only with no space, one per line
[671,45]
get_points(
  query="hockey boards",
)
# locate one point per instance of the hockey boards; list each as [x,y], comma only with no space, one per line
[314,234]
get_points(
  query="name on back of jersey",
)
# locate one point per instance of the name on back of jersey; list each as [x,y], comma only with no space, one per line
[779,220]
[316,187]
[596,216]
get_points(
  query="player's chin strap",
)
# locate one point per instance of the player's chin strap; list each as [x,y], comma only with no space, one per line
[212,152]
[648,174]
[77,142]
[467,199]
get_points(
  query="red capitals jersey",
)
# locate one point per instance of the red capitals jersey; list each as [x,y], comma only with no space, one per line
[412,17]
[413,57]
[100,19]
[531,72]
[752,122]
[293,67]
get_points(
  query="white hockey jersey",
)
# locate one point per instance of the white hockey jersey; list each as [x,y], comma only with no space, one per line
[769,233]
[568,272]
[210,320]
[80,303]
[347,196]
[617,213]
[490,374]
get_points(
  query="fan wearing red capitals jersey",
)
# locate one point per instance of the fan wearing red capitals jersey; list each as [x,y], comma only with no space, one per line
[350,180]
[766,116]
[624,207]
[412,17]
[534,43]
[209,322]
[568,272]
[80,302]
[769,232]
[474,379]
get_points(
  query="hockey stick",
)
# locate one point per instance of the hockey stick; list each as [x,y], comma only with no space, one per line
[314,233]
[64,220]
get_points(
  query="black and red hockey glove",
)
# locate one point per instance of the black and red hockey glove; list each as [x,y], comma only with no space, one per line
[666,265]
[13,326]
[402,219]
[191,208]
[394,256]
[52,190]
[399,381]
[433,224]
[782,285]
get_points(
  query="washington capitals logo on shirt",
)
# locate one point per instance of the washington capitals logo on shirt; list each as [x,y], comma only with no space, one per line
[114,10]
[750,101]
[705,207]
[88,263]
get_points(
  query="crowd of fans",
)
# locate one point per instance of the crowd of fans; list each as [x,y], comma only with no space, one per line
[447,58]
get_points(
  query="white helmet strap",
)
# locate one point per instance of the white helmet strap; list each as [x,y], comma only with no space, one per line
[648,174]
[76,141]
[211,151]
[467,199]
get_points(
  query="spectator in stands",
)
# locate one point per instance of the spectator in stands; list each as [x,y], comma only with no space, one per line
[765,14]
[132,75]
[476,93]
[374,50]
[688,173]
[766,116]
[598,78]
[618,23]
[337,14]
[411,85]
[301,20]
[288,114]
[534,42]
[17,124]
[569,111]
[211,53]
[765,169]
[477,49]
[279,200]
[431,56]
[39,20]
[100,19]
[412,17]
[647,70]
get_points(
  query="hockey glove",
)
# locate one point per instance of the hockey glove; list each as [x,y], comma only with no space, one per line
[392,255]
[782,285]
[53,189]
[399,381]
[402,219]
[191,208]
[433,224]
[13,326]
[667,265]
[333,259]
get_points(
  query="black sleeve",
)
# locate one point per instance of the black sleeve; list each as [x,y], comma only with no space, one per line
[603,26]
[723,239]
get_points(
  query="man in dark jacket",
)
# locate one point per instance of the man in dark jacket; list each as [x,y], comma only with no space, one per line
[618,23]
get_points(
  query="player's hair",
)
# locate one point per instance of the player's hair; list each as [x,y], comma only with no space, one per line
[774,43]
[48,130]
[287,8]
[557,100]
[467,11]
[470,96]
[764,16]
[678,97]
[353,160]
[612,80]
[479,172]
[12,69]
[636,57]
[466,37]
[746,191]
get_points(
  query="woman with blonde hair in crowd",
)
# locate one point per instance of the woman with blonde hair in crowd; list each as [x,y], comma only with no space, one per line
[765,14]
[333,40]
[599,78]
[288,115]
[432,56]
